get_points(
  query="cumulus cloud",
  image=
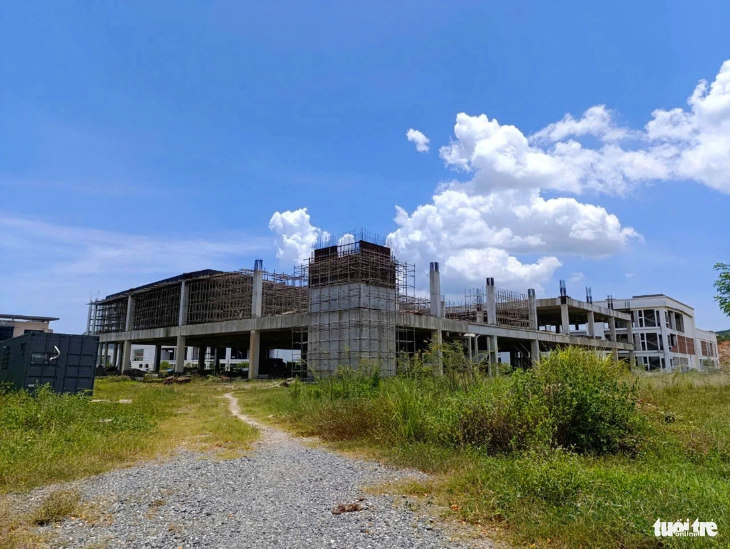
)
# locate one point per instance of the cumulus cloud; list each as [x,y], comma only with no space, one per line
[680,144]
[296,236]
[498,221]
[420,140]
[480,235]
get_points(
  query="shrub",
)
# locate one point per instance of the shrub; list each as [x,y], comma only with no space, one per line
[590,400]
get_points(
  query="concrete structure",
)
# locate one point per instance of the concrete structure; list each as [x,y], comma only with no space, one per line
[17,325]
[351,304]
[664,334]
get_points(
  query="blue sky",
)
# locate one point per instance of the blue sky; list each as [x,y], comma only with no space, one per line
[142,139]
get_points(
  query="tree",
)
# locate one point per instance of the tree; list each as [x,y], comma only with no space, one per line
[722,287]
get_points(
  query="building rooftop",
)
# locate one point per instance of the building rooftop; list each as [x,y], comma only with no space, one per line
[28,317]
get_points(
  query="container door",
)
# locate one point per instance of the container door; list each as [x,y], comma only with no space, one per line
[42,362]
[78,362]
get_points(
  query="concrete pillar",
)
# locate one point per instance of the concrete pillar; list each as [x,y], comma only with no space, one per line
[254,340]
[535,355]
[126,355]
[590,324]
[470,349]
[613,336]
[435,290]
[183,307]
[436,346]
[494,349]
[100,353]
[533,317]
[565,318]
[490,301]
[258,277]
[201,358]
[631,354]
[158,353]
[180,354]
[115,357]
[130,320]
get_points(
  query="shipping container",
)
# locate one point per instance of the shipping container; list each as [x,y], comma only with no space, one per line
[65,362]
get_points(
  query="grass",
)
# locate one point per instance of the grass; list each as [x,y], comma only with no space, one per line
[51,438]
[574,454]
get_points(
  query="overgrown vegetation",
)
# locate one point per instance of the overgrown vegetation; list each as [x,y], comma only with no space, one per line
[48,437]
[576,452]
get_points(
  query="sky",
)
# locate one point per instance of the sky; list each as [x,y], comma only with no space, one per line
[527,141]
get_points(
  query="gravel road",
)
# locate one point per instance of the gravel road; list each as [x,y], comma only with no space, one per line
[280,496]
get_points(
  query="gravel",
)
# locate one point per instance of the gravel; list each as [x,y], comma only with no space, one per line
[280,496]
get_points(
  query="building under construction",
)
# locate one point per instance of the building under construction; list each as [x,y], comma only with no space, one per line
[350,304]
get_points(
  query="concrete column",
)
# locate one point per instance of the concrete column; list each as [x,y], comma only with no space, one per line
[227,352]
[158,353]
[470,349]
[130,320]
[590,324]
[254,339]
[435,290]
[533,317]
[115,357]
[613,336]
[183,307]
[180,354]
[490,301]
[629,330]
[100,353]
[201,358]
[126,355]
[535,354]
[565,318]
[494,349]
[436,345]
[258,277]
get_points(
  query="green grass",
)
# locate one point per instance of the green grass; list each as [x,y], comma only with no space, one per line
[574,454]
[50,438]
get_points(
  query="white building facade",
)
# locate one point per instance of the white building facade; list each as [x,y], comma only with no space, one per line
[665,335]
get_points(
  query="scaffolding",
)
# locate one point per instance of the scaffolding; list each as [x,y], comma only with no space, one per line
[284,294]
[157,308]
[356,291]
[225,296]
[512,309]
[109,316]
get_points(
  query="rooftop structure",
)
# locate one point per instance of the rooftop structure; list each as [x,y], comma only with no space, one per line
[17,325]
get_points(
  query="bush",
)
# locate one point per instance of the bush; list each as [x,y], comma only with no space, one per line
[573,399]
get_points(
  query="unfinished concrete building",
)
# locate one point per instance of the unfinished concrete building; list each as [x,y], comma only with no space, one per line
[350,304]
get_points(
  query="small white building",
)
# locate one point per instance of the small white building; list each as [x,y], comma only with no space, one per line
[665,334]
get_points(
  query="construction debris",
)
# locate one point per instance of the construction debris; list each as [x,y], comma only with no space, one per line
[347,508]
[176,379]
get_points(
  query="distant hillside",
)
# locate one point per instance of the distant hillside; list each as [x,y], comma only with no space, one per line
[722,335]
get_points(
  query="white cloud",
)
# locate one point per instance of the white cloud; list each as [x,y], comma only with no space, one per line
[577,277]
[677,144]
[296,236]
[479,235]
[420,140]
[596,121]
[499,222]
